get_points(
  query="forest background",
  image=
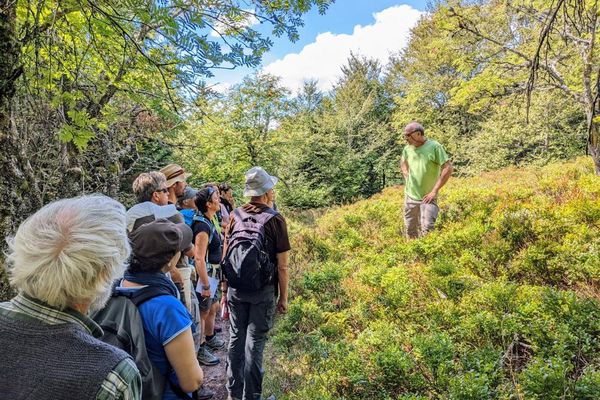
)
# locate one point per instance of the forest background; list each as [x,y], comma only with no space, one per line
[93,93]
[501,301]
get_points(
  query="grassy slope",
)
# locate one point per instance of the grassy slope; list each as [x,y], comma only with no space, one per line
[501,301]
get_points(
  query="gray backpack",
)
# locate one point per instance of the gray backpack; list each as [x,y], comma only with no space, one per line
[123,328]
[246,264]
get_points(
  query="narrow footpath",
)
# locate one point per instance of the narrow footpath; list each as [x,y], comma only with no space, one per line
[216,376]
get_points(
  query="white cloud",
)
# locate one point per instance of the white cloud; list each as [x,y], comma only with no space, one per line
[221,87]
[323,58]
[221,27]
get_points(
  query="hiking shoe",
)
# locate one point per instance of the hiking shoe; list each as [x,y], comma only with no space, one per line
[205,357]
[215,343]
[204,393]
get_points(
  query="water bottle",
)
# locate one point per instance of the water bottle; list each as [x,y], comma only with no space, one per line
[224,308]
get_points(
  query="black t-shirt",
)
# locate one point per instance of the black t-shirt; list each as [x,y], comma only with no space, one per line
[215,247]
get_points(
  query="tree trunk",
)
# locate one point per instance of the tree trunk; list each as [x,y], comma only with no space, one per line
[10,70]
[594,143]
[591,93]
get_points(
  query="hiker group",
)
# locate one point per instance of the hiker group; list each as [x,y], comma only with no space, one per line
[155,277]
[116,304]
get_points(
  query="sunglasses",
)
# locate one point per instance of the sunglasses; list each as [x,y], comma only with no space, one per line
[164,190]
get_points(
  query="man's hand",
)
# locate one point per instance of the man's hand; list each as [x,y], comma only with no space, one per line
[282,306]
[430,197]
[203,292]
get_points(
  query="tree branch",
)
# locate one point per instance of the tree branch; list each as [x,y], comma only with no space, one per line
[37,30]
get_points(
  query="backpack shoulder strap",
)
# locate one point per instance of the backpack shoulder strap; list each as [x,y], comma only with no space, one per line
[142,295]
[241,215]
[201,218]
[247,222]
[271,213]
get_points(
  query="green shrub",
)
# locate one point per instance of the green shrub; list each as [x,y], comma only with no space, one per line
[500,301]
[587,386]
[470,386]
[545,379]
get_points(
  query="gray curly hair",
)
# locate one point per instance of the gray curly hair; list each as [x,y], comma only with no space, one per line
[70,251]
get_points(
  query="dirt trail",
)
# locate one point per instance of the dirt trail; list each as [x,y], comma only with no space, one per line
[216,376]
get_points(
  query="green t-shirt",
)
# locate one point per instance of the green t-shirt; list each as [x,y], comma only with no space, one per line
[424,166]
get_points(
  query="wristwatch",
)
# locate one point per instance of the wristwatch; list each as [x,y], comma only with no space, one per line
[205,287]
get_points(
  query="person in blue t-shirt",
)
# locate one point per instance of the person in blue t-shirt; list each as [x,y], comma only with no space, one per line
[187,206]
[167,324]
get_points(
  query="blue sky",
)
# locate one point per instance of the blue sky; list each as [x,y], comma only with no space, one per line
[373,28]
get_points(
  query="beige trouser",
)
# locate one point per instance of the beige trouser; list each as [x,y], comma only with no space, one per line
[191,302]
[419,217]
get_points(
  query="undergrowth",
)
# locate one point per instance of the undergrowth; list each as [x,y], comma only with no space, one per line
[499,302]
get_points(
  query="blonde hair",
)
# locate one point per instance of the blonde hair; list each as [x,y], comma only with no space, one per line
[70,251]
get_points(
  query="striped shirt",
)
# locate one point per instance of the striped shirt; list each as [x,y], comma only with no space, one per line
[122,383]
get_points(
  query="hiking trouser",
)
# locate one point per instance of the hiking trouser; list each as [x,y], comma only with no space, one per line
[419,217]
[195,313]
[251,318]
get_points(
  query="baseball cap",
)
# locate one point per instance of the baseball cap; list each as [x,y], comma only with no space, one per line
[156,242]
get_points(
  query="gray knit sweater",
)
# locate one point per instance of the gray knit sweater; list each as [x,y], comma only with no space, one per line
[40,361]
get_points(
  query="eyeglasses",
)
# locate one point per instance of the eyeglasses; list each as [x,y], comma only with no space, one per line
[409,134]
[164,190]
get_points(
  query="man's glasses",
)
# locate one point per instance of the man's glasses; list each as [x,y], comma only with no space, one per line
[164,190]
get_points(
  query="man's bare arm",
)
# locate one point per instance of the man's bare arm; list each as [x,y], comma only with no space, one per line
[444,176]
[282,271]
[404,169]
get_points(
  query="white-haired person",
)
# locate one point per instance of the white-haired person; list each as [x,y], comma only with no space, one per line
[62,261]
[168,327]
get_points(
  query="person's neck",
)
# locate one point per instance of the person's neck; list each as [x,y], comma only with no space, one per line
[81,307]
[209,214]
[421,142]
[126,283]
[172,196]
[259,200]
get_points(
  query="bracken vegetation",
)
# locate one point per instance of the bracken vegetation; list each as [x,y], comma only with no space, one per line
[499,302]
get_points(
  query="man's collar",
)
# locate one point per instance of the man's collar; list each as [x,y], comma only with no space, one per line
[43,312]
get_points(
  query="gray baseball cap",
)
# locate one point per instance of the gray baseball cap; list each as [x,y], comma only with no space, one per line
[258,182]
[188,193]
[156,242]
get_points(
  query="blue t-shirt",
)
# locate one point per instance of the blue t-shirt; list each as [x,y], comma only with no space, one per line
[164,318]
[188,215]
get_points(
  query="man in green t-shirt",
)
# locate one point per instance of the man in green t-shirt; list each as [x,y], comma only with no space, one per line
[426,168]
